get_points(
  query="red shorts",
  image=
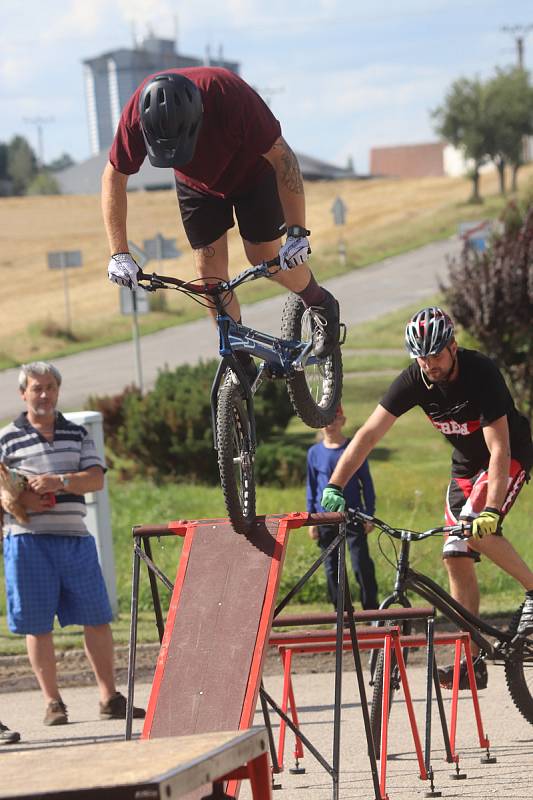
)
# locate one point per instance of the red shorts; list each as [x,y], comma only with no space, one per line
[466,498]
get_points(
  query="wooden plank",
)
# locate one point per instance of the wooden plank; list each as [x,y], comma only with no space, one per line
[110,769]
[211,637]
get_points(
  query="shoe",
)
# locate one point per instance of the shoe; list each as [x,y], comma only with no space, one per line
[116,708]
[7,736]
[480,673]
[325,321]
[56,713]
[525,626]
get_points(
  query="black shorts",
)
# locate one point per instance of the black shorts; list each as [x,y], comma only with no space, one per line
[258,211]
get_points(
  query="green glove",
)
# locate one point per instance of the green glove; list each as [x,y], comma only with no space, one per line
[333,498]
[487,523]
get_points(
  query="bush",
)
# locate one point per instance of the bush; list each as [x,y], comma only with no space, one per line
[491,296]
[280,464]
[167,432]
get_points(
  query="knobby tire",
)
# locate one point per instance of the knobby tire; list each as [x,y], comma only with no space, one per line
[377,694]
[235,456]
[315,392]
[516,676]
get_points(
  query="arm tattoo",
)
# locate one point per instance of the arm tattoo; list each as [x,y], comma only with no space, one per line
[291,176]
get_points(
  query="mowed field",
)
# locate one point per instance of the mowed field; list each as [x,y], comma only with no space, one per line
[383,217]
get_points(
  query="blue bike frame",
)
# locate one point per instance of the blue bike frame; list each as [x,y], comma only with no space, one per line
[281,355]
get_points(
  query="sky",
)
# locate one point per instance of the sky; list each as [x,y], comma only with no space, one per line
[343,75]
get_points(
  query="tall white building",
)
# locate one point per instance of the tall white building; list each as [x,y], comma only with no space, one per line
[111,79]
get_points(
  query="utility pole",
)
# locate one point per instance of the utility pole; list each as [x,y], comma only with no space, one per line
[39,122]
[519,33]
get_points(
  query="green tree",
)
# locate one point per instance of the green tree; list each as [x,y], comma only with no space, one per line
[43,183]
[21,164]
[509,109]
[462,121]
[62,162]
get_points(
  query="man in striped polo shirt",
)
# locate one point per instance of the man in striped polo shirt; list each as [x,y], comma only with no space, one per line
[51,563]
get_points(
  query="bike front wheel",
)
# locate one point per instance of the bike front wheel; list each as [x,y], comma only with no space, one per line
[315,392]
[235,457]
[377,671]
[519,674]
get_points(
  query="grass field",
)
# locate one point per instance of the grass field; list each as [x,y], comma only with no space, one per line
[384,217]
[410,468]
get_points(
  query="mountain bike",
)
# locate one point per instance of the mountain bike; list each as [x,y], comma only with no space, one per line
[314,384]
[503,647]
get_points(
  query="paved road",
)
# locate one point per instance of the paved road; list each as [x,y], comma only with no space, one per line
[364,294]
[511,739]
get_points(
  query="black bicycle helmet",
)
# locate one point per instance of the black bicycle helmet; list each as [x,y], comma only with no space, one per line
[171,111]
[428,332]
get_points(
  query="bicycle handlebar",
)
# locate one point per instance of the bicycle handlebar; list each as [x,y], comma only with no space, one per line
[155,281]
[462,530]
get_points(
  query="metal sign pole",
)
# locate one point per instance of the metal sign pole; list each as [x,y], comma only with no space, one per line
[63,258]
[136,341]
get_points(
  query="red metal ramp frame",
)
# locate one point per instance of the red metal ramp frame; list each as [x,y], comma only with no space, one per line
[225,592]
[226,579]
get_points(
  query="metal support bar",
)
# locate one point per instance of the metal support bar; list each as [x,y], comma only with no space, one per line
[268,726]
[155,591]
[133,635]
[311,571]
[362,692]
[297,732]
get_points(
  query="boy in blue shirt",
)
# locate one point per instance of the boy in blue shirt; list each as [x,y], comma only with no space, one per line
[359,492]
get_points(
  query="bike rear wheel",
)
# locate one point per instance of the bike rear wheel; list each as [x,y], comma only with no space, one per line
[519,679]
[377,672]
[235,456]
[315,392]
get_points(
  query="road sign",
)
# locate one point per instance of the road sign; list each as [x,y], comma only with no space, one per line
[62,259]
[160,248]
[139,256]
[476,234]
[130,297]
[338,209]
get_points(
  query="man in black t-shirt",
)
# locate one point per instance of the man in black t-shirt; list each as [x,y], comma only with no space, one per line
[465,397]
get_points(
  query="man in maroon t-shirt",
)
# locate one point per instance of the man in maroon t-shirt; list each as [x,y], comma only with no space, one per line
[228,156]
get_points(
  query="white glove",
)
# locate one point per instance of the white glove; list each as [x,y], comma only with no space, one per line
[295,251]
[123,269]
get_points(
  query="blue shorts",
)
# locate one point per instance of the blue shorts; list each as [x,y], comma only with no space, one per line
[48,575]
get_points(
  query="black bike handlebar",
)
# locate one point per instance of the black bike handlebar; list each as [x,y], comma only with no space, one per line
[462,530]
[155,281]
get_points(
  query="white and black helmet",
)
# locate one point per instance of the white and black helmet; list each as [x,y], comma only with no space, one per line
[171,112]
[428,332]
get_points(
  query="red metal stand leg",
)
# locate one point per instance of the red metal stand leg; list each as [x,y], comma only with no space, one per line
[286,658]
[455,695]
[259,775]
[483,739]
[298,746]
[410,709]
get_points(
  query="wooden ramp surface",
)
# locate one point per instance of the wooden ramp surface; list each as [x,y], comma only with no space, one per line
[160,768]
[209,667]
